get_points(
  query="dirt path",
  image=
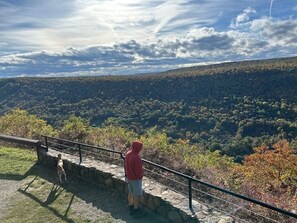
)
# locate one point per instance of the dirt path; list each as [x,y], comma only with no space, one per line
[8,188]
[95,201]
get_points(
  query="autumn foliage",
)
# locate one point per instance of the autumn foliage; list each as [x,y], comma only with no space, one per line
[270,174]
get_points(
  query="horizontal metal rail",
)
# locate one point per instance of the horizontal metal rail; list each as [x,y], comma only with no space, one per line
[20,140]
[86,145]
[223,190]
[190,180]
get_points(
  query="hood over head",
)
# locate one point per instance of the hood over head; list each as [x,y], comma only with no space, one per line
[136,146]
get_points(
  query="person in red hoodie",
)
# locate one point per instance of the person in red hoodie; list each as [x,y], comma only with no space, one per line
[134,174]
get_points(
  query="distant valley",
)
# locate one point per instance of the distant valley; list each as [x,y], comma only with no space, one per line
[229,107]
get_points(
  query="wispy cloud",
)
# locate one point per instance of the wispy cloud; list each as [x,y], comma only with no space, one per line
[90,37]
[270,9]
[199,46]
[53,24]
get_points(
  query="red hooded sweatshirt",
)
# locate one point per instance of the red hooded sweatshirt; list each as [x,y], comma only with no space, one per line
[133,164]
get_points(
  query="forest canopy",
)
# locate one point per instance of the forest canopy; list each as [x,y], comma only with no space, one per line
[230,107]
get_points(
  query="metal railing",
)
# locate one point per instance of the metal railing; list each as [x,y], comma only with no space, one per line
[22,141]
[79,147]
[190,179]
[63,143]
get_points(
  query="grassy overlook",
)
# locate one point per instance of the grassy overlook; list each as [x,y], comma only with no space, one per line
[229,107]
[269,174]
[34,194]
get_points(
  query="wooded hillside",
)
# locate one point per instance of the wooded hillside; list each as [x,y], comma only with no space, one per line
[230,107]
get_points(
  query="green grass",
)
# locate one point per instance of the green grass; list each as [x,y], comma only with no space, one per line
[15,163]
[39,198]
[46,202]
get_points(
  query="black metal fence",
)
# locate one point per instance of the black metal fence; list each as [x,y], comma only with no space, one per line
[89,151]
[19,140]
[22,141]
[81,149]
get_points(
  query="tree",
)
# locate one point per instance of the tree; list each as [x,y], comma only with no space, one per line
[112,137]
[271,174]
[18,122]
[75,128]
[276,165]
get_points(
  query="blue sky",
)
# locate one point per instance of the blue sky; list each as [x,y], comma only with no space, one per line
[106,37]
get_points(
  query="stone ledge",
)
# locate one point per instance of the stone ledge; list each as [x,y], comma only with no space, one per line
[156,197]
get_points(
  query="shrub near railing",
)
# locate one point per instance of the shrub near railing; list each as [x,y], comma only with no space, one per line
[82,150]
[85,151]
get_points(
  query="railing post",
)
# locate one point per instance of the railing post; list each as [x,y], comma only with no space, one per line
[190,193]
[38,145]
[46,145]
[113,154]
[80,157]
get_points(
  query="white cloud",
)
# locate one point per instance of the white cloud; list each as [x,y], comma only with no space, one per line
[89,37]
[243,17]
[262,38]
[277,32]
[52,24]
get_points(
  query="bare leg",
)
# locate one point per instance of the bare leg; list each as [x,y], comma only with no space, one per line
[65,176]
[138,213]
[136,201]
[130,199]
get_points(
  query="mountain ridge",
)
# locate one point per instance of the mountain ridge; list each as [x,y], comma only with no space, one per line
[239,102]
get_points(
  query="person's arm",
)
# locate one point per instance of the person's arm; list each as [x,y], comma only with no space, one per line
[138,168]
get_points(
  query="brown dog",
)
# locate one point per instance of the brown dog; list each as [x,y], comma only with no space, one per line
[60,169]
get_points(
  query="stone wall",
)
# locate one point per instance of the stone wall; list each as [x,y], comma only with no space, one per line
[157,198]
